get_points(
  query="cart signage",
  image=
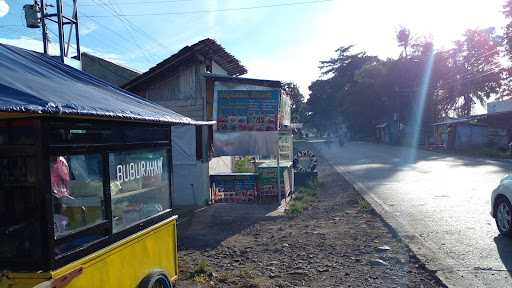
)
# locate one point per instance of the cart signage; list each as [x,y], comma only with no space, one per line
[139,185]
[135,170]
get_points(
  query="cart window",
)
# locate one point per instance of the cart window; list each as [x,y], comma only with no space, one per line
[89,133]
[139,185]
[77,189]
[19,210]
[17,132]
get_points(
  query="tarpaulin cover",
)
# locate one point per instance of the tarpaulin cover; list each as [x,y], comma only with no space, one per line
[234,134]
[242,143]
[33,83]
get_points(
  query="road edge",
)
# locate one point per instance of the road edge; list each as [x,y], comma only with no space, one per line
[445,273]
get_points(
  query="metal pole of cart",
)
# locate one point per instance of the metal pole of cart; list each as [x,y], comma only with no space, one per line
[278,151]
[278,172]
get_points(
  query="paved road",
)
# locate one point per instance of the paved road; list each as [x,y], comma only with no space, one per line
[438,203]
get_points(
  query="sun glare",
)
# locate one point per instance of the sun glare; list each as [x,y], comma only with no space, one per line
[446,21]
[4,8]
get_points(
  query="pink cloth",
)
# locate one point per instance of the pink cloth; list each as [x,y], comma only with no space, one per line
[59,171]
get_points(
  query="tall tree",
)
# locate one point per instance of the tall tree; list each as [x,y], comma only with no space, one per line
[508,28]
[329,98]
[297,101]
[403,37]
[474,71]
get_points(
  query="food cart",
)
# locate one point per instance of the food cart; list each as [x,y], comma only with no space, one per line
[85,180]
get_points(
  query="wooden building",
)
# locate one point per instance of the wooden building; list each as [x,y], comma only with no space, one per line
[180,82]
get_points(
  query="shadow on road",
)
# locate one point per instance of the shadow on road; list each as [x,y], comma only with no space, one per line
[504,247]
[207,228]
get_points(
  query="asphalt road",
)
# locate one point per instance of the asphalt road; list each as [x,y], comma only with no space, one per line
[438,203]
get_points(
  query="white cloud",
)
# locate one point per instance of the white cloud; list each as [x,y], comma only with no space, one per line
[30,44]
[37,45]
[4,8]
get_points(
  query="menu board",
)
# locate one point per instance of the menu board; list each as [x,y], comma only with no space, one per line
[267,180]
[247,110]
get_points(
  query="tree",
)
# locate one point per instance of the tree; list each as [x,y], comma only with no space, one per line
[403,37]
[506,91]
[474,71]
[297,101]
[421,86]
[508,28]
[329,99]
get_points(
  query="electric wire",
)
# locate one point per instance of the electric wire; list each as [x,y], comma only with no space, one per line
[219,10]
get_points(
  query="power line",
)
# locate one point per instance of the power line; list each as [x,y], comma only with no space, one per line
[134,27]
[139,2]
[217,10]
[121,36]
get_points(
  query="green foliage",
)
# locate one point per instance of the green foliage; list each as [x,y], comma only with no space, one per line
[303,198]
[364,205]
[201,272]
[403,37]
[298,103]
[330,98]
[470,72]
[362,91]
[244,165]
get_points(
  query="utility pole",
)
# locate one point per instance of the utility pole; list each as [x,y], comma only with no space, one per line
[44,29]
[60,24]
[36,16]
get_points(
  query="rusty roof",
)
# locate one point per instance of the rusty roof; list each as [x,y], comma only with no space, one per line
[207,48]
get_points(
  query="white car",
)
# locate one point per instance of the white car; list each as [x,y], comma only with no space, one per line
[501,207]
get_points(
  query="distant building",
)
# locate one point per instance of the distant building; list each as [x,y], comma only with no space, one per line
[491,130]
[106,70]
[499,106]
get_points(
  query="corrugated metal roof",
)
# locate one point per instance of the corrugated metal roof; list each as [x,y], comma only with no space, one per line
[461,120]
[208,48]
[241,80]
[33,83]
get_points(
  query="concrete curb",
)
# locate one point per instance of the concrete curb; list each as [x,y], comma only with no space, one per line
[444,272]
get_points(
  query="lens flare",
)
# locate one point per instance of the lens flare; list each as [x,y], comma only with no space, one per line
[4,8]
[421,100]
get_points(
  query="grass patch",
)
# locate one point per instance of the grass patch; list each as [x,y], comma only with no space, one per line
[304,196]
[201,273]
[244,165]
[364,205]
[244,279]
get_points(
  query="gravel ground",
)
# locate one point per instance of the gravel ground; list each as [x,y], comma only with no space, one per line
[338,241]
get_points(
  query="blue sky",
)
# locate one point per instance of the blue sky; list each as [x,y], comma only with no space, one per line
[282,42]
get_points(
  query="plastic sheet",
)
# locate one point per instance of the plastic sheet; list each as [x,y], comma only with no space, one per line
[33,83]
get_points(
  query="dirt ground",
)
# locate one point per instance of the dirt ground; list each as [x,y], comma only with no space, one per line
[339,241]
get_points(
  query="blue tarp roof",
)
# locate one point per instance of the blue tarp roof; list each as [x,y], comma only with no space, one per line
[33,83]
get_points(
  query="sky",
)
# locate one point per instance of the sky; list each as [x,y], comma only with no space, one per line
[275,39]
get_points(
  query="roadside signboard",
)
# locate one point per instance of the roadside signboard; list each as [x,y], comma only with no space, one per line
[234,187]
[247,110]
[247,118]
